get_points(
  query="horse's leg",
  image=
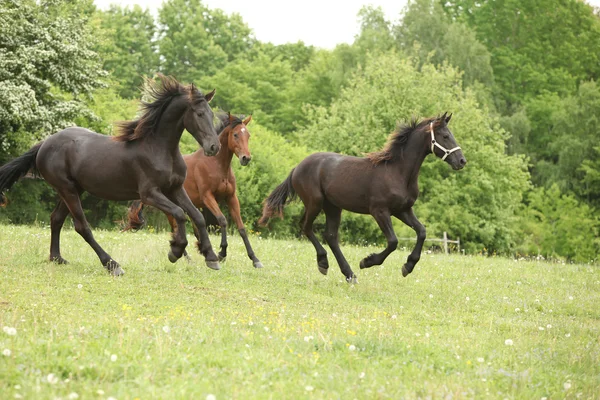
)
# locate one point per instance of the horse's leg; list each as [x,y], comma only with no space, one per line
[71,198]
[181,197]
[173,224]
[333,218]
[157,199]
[311,211]
[410,219]
[57,219]
[210,202]
[382,216]
[234,210]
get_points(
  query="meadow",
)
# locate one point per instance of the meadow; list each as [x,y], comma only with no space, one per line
[458,327]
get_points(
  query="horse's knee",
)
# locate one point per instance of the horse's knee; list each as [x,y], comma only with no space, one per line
[421,233]
[222,221]
[393,243]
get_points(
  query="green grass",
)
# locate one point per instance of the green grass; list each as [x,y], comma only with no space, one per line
[183,331]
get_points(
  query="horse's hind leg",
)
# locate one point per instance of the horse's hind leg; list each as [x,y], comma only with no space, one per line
[410,219]
[311,211]
[57,219]
[73,202]
[382,217]
[333,218]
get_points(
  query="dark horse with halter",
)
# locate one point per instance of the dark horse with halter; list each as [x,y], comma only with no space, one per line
[383,184]
[142,162]
[210,179]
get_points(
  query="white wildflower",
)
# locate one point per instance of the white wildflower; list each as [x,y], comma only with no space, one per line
[113,358]
[508,342]
[309,388]
[211,397]
[352,347]
[166,329]
[6,352]
[52,379]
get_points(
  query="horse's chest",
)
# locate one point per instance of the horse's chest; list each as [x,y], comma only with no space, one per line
[224,188]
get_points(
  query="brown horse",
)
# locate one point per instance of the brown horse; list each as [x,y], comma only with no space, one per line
[211,179]
[143,162]
[382,184]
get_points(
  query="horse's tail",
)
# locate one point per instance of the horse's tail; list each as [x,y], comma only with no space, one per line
[15,169]
[135,218]
[273,205]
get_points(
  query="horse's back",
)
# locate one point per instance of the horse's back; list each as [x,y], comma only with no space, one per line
[92,161]
[343,180]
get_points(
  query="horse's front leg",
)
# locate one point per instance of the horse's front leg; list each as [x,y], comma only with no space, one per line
[234,210]
[155,198]
[181,197]
[382,217]
[409,218]
[210,202]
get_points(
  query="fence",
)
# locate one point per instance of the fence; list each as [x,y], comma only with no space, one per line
[444,241]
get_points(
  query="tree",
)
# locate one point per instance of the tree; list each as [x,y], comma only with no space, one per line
[47,66]
[536,47]
[127,48]
[428,33]
[197,41]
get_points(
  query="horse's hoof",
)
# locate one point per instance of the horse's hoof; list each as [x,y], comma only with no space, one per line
[258,264]
[58,260]
[222,258]
[213,265]
[405,271]
[114,268]
[352,280]
[117,271]
[362,264]
[323,270]
[172,257]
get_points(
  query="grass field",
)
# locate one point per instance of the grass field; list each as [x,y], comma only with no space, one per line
[458,327]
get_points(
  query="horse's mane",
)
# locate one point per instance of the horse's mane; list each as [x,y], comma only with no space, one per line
[224,122]
[398,139]
[161,94]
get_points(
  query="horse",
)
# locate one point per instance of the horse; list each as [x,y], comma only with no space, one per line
[383,184]
[142,162]
[211,179]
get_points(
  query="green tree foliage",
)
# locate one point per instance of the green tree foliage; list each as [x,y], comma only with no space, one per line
[46,66]
[196,41]
[428,33]
[550,228]
[477,204]
[127,48]
[536,47]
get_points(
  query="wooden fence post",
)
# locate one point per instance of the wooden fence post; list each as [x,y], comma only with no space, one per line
[445,243]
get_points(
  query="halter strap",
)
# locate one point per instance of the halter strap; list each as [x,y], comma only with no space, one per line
[435,144]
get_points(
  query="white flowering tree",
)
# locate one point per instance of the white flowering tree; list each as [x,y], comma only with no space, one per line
[46,66]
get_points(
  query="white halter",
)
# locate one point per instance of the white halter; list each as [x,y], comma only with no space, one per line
[435,144]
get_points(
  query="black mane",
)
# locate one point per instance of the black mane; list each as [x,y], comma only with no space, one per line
[161,95]
[397,140]
[224,122]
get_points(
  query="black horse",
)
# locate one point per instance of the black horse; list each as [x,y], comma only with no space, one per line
[383,184]
[143,162]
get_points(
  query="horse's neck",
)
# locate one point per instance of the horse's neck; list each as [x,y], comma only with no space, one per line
[170,128]
[225,154]
[412,158]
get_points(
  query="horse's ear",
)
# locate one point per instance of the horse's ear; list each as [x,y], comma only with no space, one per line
[192,87]
[210,95]
[248,119]
[231,117]
[448,118]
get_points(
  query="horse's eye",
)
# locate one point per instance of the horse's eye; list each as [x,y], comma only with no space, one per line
[446,136]
[235,135]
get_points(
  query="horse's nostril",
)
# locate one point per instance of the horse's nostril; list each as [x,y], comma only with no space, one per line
[463,161]
[214,148]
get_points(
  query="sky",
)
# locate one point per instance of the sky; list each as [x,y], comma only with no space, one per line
[321,23]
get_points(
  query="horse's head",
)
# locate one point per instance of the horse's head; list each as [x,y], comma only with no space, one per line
[238,139]
[443,143]
[198,120]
